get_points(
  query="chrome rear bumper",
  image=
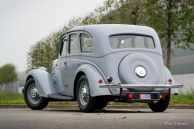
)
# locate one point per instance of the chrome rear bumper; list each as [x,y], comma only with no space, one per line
[140,86]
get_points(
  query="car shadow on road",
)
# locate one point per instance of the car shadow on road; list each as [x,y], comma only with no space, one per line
[101,111]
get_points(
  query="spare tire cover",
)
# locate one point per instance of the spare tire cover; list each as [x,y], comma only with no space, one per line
[128,69]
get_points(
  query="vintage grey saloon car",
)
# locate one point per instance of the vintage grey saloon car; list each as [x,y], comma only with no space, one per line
[101,63]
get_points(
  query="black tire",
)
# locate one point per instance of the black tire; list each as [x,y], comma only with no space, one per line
[90,105]
[42,101]
[160,106]
[101,103]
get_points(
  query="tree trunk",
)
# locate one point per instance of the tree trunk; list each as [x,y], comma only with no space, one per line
[168,61]
[169,32]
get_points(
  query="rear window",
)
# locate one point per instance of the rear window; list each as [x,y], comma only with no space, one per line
[131,41]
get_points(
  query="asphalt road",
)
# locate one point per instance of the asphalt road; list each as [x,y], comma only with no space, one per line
[50,118]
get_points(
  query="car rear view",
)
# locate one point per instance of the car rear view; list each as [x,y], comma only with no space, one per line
[141,71]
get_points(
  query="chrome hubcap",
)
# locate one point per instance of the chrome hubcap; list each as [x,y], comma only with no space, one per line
[84,93]
[140,71]
[32,94]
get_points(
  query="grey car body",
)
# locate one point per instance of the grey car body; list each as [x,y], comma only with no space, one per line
[111,56]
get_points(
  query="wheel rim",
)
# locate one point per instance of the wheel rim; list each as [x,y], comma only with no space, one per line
[32,94]
[84,93]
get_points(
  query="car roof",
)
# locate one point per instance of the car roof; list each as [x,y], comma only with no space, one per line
[101,32]
[111,29]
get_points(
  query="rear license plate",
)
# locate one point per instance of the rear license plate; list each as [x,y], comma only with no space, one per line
[145,96]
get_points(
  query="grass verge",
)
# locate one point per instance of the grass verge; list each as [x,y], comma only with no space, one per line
[183,98]
[11,98]
[15,98]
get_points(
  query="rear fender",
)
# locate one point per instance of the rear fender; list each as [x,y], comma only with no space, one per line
[93,76]
[43,80]
[168,76]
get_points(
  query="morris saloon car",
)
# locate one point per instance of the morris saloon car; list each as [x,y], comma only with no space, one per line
[101,63]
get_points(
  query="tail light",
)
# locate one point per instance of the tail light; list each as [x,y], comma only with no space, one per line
[130,96]
[170,81]
[100,81]
[164,95]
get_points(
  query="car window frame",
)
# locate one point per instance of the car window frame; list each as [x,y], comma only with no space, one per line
[64,39]
[69,44]
[85,52]
[60,49]
[135,34]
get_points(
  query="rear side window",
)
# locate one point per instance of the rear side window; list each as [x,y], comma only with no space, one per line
[74,47]
[131,41]
[86,43]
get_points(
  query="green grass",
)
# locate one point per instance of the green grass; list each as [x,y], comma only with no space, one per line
[63,103]
[183,99]
[11,98]
[15,98]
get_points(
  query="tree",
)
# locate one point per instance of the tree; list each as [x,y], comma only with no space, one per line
[44,51]
[92,18]
[123,12]
[73,22]
[7,73]
[173,20]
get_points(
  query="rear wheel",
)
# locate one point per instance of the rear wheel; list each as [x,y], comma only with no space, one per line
[86,102]
[32,97]
[160,106]
[101,103]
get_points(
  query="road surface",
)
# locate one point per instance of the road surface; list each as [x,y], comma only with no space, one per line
[51,118]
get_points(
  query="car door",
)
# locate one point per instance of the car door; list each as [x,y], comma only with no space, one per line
[59,68]
[70,63]
[62,66]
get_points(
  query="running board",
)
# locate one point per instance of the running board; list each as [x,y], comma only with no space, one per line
[60,97]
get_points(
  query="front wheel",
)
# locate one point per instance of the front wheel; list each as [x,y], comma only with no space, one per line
[86,102]
[32,97]
[160,106]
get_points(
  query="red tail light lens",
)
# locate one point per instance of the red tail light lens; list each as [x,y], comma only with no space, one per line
[130,96]
[170,81]
[164,95]
[100,81]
